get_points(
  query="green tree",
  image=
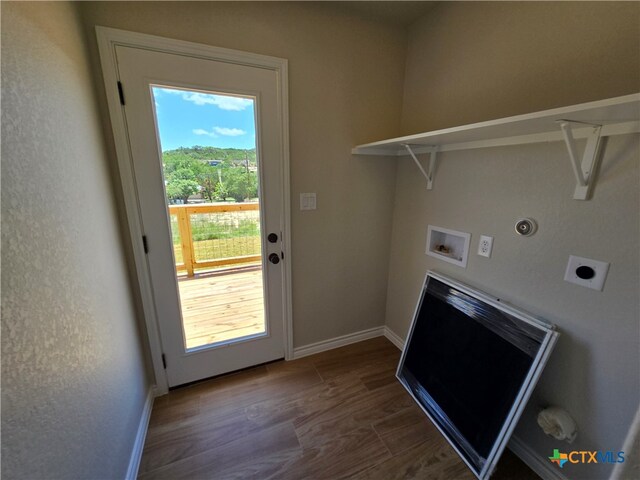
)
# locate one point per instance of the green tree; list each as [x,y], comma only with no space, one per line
[181,184]
[189,170]
[181,189]
[208,185]
[221,192]
[240,183]
[181,161]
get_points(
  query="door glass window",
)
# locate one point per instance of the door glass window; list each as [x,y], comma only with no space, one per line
[211,183]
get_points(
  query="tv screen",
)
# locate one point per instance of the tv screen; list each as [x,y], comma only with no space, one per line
[471,362]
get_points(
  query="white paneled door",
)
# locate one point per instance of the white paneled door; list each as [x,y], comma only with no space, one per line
[147,79]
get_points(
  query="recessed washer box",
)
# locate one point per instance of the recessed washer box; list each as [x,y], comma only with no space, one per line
[586,272]
[448,245]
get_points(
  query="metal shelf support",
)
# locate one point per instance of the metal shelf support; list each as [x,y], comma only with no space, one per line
[432,164]
[585,170]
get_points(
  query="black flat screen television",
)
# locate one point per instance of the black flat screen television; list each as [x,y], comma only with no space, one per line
[471,363]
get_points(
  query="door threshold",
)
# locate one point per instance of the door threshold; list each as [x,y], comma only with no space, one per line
[227,374]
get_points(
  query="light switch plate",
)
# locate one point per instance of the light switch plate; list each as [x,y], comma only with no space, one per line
[307,201]
[586,272]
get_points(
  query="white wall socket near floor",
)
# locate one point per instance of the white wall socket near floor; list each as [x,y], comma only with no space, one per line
[586,272]
[485,245]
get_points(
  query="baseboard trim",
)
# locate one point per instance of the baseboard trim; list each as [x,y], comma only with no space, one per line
[348,339]
[337,342]
[394,338]
[141,435]
[543,467]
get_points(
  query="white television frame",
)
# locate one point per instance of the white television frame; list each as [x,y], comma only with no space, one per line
[539,362]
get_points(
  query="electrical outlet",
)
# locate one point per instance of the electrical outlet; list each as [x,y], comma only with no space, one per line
[485,245]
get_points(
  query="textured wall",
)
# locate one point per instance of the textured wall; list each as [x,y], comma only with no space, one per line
[73,380]
[594,372]
[473,62]
[345,77]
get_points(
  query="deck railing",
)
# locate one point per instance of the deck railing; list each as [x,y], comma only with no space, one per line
[210,235]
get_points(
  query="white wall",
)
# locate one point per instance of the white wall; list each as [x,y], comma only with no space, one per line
[345,77]
[73,376]
[476,61]
[72,365]
[593,372]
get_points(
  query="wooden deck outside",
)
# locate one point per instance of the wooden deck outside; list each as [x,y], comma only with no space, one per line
[221,306]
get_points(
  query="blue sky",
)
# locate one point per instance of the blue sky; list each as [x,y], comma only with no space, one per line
[188,118]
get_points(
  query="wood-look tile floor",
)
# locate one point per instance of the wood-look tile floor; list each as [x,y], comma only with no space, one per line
[337,414]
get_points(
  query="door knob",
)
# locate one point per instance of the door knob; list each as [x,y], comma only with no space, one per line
[272,237]
[274,258]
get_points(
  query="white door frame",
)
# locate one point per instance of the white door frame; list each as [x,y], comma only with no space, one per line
[108,39]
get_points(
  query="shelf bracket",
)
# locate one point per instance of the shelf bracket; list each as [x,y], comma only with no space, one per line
[432,164]
[585,170]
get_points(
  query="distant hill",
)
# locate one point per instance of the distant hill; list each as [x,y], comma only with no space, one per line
[211,153]
[216,174]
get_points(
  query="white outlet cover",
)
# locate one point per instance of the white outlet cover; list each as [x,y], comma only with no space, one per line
[485,245]
[600,270]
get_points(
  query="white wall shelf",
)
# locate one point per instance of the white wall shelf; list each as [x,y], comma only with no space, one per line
[591,121]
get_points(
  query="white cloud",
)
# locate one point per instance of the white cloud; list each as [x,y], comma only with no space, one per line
[201,131]
[217,131]
[223,102]
[229,132]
